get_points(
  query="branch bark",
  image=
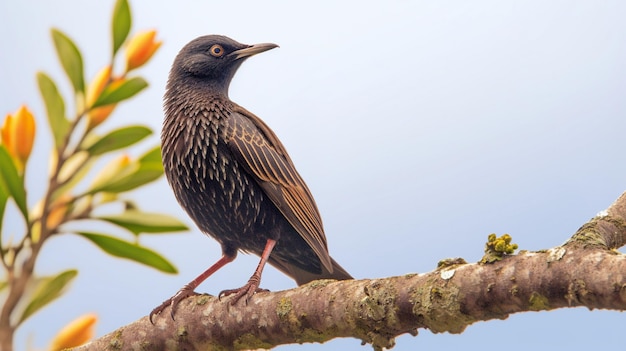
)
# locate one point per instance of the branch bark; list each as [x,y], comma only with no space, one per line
[585,271]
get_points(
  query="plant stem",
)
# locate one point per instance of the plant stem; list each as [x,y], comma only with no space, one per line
[17,280]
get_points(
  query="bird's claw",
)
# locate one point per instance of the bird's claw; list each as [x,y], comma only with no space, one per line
[173,302]
[251,288]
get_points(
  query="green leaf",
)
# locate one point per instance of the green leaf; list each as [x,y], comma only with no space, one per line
[124,249]
[12,181]
[4,197]
[144,222]
[3,285]
[132,177]
[70,58]
[117,92]
[76,167]
[121,24]
[55,107]
[48,290]
[118,139]
[152,155]
[74,179]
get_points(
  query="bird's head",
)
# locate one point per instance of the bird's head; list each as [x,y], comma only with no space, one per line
[213,59]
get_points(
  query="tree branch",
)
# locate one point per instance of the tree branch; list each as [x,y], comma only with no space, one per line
[585,271]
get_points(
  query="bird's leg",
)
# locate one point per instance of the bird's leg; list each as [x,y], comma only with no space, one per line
[188,289]
[252,286]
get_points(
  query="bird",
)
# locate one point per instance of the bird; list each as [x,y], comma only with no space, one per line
[232,175]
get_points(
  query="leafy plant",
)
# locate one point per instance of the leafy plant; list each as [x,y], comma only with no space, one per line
[79,141]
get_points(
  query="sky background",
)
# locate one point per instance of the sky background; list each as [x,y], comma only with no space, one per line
[420,127]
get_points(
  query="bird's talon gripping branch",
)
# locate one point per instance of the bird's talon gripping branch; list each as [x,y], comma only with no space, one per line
[185,292]
[251,288]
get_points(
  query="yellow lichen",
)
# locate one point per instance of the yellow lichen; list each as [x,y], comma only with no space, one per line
[284,307]
[496,248]
[538,302]
[202,300]
[182,333]
[320,283]
[249,341]
[447,262]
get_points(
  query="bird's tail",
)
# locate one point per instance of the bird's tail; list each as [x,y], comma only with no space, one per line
[302,277]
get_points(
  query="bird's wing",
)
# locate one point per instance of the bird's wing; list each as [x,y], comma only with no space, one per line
[266,159]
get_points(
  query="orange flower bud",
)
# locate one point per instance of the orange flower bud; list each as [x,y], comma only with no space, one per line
[18,135]
[5,133]
[140,49]
[76,333]
[97,86]
[58,211]
[25,132]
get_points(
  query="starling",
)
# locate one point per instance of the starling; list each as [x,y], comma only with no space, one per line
[232,175]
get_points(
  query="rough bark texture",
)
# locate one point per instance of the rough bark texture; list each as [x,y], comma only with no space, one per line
[585,271]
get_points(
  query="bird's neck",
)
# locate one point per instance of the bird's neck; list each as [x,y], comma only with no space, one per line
[200,96]
[197,88]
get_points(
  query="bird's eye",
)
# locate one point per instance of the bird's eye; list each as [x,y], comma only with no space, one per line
[216,50]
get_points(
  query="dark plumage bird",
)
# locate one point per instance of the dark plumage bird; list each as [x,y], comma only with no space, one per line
[233,176]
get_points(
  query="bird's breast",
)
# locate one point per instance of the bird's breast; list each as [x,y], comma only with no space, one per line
[208,182]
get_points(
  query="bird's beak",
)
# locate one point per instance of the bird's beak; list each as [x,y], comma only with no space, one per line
[252,50]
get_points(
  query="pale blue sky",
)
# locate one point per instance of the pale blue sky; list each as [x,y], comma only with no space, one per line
[420,127]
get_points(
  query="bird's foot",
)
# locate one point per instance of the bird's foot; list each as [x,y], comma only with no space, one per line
[173,302]
[251,288]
